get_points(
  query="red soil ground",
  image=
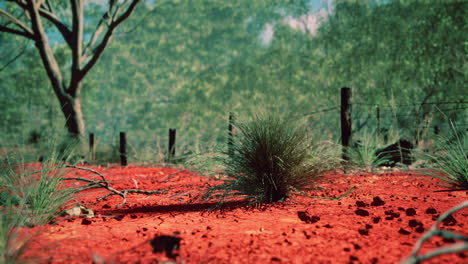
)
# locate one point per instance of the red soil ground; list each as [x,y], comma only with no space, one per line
[300,230]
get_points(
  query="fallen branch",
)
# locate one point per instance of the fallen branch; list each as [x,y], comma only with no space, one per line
[436,231]
[103,183]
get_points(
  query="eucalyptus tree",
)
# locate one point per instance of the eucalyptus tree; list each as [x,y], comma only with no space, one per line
[46,22]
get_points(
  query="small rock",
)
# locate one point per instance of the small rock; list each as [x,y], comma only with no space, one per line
[410,212]
[377,201]
[404,232]
[431,210]
[414,223]
[419,229]
[449,221]
[361,204]
[376,219]
[363,232]
[166,244]
[85,221]
[307,218]
[361,212]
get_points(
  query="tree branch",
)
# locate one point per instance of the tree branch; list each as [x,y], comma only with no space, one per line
[47,14]
[16,32]
[99,48]
[42,43]
[26,31]
[76,44]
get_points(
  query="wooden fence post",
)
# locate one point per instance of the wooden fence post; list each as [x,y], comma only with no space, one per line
[91,148]
[123,149]
[377,112]
[172,141]
[345,120]
[230,134]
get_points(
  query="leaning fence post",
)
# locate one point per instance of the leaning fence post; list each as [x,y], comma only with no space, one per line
[91,148]
[345,120]
[230,134]
[123,149]
[172,140]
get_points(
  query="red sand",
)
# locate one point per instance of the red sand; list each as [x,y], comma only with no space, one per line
[300,230]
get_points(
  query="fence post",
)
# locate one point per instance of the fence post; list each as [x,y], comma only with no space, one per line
[345,120]
[172,140]
[377,112]
[123,149]
[230,134]
[91,148]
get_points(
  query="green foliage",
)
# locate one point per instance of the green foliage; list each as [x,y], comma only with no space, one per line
[187,64]
[29,196]
[269,155]
[38,190]
[363,153]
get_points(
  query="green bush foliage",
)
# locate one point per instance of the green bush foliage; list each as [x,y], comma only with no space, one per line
[269,155]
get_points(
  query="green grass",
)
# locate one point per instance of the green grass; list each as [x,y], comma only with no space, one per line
[29,196]
[449,163]
[270,155]
[363,154]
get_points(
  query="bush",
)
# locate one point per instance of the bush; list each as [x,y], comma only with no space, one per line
[269,156]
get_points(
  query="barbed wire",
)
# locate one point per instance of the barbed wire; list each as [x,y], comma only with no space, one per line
[406,105]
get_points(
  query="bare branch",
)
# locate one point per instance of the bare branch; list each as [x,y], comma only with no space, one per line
[16,32]
[105,184]
[26,31]
[47,14]
[98,50]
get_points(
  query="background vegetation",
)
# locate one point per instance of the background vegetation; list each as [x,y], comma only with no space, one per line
[187,64]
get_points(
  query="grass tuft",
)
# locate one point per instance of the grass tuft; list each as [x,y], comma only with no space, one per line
[30,195]
[449,163]
[269,155]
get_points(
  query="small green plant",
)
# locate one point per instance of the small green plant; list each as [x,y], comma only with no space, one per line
[269,155]
[30,195]
[449,163]
[38,189]
[363,153]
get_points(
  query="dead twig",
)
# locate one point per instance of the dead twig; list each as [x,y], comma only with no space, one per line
[436,231]
[103,183]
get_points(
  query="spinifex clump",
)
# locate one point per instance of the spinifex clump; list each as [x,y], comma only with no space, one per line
[269,156]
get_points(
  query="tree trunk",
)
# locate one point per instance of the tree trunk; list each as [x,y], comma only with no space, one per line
[73,117]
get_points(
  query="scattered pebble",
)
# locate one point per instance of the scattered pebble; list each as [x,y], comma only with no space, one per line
[307,218]
[431,210]
[361,212]
[410,212]
[377,201]
[404,232]
[86,221]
